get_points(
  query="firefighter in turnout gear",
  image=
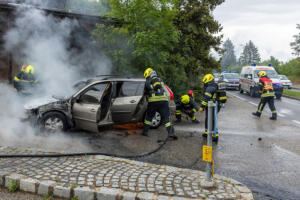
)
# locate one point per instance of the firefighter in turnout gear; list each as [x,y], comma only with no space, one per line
[187,105]
[210,94]
[157,102]
[25,80]
[267,95]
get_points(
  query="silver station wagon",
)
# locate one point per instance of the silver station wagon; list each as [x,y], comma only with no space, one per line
[101,101]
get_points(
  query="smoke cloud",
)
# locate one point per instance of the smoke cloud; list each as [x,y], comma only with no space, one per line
[48,44]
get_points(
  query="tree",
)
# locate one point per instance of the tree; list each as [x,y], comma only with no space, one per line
[296,44]
[273,61]
[174,37]
[249,55]
[228,58]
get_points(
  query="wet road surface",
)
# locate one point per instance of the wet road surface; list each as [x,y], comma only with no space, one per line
[260,153]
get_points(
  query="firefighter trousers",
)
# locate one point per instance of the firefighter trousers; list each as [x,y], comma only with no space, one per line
[163,108]
[262,103]
[213,117]
[189,111]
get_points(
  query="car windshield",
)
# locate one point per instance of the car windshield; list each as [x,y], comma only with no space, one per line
[283,77]
[231,76]
[270,73]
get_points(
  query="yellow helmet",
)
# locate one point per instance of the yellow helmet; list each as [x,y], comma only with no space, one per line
[147,72]
[29,69]
[207,78]
[261,74]
[185,99]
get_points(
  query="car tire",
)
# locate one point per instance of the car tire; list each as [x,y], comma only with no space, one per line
[52,122]
[156,121]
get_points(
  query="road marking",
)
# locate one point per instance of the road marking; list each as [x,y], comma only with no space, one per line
[296,121]
[253,103]
[241,98]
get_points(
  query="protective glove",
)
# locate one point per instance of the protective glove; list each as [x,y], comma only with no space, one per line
[201,109]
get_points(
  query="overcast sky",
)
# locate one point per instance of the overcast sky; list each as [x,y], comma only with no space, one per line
[270,24]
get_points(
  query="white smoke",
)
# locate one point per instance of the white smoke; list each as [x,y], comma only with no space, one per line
[46,43]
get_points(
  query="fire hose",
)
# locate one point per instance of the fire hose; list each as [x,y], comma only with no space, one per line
[83,154]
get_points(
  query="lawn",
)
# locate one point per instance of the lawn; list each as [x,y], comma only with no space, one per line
[292,93]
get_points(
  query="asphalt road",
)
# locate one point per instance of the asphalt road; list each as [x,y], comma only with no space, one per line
[262,154]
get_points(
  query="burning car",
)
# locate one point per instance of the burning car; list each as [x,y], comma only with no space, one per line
[97,102]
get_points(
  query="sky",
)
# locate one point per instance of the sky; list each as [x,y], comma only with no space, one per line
[270,24]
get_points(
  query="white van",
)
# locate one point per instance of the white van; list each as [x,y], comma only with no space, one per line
[249,80]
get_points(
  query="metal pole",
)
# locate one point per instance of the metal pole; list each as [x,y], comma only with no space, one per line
[216,118]
[209,138]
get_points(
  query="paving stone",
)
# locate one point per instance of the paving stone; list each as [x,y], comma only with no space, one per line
[44,187]
[107,193]
[84,193]
[61,191]
[145,196]
[28,185]
[14,177]
[129,196]
[2,177]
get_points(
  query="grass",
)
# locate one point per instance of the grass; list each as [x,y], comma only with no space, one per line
[13,186]
[292,93]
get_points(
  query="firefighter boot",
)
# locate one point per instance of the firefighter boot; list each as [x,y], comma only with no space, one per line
[196,121]
[274,116]
[215,138]
[204,134]
[257,114]
[171,134]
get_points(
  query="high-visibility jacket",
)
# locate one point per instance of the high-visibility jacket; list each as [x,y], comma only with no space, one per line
[266,87]
[210,93]
[190,105]
[154,88]
[24,81]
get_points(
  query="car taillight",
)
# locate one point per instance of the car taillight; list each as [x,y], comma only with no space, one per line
[170,92]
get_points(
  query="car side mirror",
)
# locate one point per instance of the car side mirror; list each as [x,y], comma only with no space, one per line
[77,99]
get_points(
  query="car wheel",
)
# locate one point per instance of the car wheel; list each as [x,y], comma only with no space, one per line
[156,121]
[53,122]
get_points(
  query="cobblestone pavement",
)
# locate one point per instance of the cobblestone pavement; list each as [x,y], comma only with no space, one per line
[103,177]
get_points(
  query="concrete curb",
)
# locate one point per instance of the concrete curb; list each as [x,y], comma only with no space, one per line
[62,190]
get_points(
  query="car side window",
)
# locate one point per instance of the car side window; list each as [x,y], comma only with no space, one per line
[93,94]
[131,88]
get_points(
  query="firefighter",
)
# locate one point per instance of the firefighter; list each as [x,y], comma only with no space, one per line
[25,80]
[209,94]
[187,105]
[267,95]
[157,102]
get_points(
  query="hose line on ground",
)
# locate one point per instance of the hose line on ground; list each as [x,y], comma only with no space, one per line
[83,154]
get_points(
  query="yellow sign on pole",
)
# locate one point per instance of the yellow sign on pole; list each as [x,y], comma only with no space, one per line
[207,153]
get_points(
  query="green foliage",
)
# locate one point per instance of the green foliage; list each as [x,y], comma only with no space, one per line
[291,68]
[273,61]
[174,37]
[296,43]
[13,186]
[292,93]
[228,58]
[249,55]
[48,197]
[74,198]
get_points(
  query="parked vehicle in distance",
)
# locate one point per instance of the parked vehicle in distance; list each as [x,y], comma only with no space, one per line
[216,77]
[231,80]
[286,83]
[249,80]
[97,102]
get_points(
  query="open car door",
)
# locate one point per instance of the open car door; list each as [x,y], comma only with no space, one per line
[88,107]
[128,101]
